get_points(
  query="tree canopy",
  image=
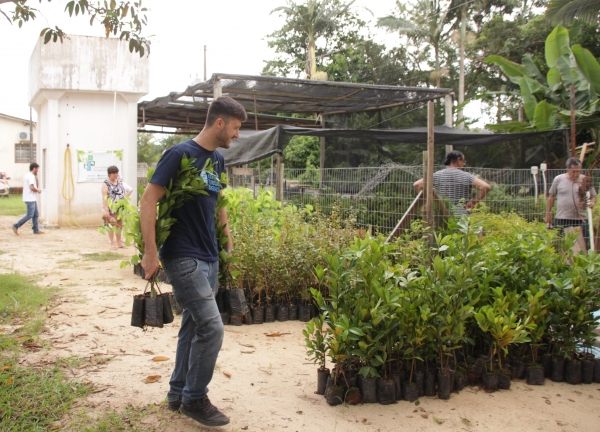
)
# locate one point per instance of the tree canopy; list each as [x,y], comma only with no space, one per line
[125,19]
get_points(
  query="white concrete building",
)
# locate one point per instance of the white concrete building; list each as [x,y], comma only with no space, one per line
[85,92]
[14,148]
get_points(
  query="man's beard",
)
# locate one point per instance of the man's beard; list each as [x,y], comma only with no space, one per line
[223,139]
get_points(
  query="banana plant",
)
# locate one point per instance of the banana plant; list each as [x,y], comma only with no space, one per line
[547,98]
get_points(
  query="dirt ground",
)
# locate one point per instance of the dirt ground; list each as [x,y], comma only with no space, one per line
[271,384]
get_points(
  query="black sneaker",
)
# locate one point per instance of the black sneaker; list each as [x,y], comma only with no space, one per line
[174,405]
[204,413]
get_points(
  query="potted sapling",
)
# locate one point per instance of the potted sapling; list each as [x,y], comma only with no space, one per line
[504,328]
[316,348]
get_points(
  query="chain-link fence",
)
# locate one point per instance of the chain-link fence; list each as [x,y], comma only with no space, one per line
[379,197]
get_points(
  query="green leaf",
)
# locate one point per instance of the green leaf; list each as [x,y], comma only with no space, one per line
[553,76]
[588,66]
[544,116]
[509,68]
[533,70]
[557,45]
[512,127]
[528,88]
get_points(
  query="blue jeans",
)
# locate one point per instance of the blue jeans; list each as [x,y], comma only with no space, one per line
[195,283]
[32,213]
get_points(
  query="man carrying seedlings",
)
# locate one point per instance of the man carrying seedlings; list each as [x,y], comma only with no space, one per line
[190,257]
[570,204]
[456,185]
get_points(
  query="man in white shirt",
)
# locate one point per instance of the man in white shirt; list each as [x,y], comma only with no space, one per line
[30,193]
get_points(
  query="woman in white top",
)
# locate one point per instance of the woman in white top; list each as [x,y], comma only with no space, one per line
[115,190]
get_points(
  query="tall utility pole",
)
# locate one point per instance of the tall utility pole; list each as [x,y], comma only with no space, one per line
[204,62]
[461,76]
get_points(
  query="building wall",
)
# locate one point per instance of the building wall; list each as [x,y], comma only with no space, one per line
[85,92]
[10,127]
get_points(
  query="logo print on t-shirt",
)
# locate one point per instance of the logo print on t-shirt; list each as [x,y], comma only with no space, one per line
[212,181]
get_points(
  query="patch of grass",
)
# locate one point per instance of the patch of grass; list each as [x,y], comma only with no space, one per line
[21,298]
[13,206]
[3,252]
[103,256]
[32,398]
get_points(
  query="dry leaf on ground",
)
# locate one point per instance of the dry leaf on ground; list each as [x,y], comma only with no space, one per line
[32,345]
[227,374]
[10,381]
[160,358]
[276,334]
[7,367]
[152,379]
[247,352]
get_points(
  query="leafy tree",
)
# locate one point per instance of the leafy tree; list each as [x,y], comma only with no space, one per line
[126,19]
[330,22]
[302,152]
[567,11]
[147,149]
[424,22]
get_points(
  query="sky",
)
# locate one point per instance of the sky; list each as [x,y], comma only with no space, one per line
[234,32]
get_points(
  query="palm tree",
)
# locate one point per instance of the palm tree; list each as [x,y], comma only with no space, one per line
[425,23]
[566,11]
[316,17]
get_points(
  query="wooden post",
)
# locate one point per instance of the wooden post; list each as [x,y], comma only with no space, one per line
[573,129]
[425,182]
[449,117]
[279,184]
[521,142]
[217,89]
[204,62]
[321,153]
[430,160]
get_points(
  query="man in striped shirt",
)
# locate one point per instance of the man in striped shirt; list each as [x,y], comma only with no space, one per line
[456,185]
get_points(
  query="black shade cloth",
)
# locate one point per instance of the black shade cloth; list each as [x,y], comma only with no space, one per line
[257,145]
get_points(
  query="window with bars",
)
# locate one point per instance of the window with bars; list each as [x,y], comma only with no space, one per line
[22,153]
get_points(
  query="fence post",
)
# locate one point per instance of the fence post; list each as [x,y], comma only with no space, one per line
[279,184]
[321,153]
[430,159]
[449,117]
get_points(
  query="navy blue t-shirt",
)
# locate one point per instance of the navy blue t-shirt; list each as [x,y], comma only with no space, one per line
[193,235]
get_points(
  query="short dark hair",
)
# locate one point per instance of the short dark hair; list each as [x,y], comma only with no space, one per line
[453,156]
[225,108]
[112,169]
[572,161]
[33,165]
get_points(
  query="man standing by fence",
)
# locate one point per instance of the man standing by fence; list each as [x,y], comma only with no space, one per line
[456,185]
[570,203]
[30,193]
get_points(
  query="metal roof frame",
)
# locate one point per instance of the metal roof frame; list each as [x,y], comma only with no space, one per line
[266,97]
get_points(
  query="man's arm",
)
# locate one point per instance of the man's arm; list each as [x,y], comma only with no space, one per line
[418,185]
[33,188]
[483,189]
[148,203]
[549,205]
[222,216]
